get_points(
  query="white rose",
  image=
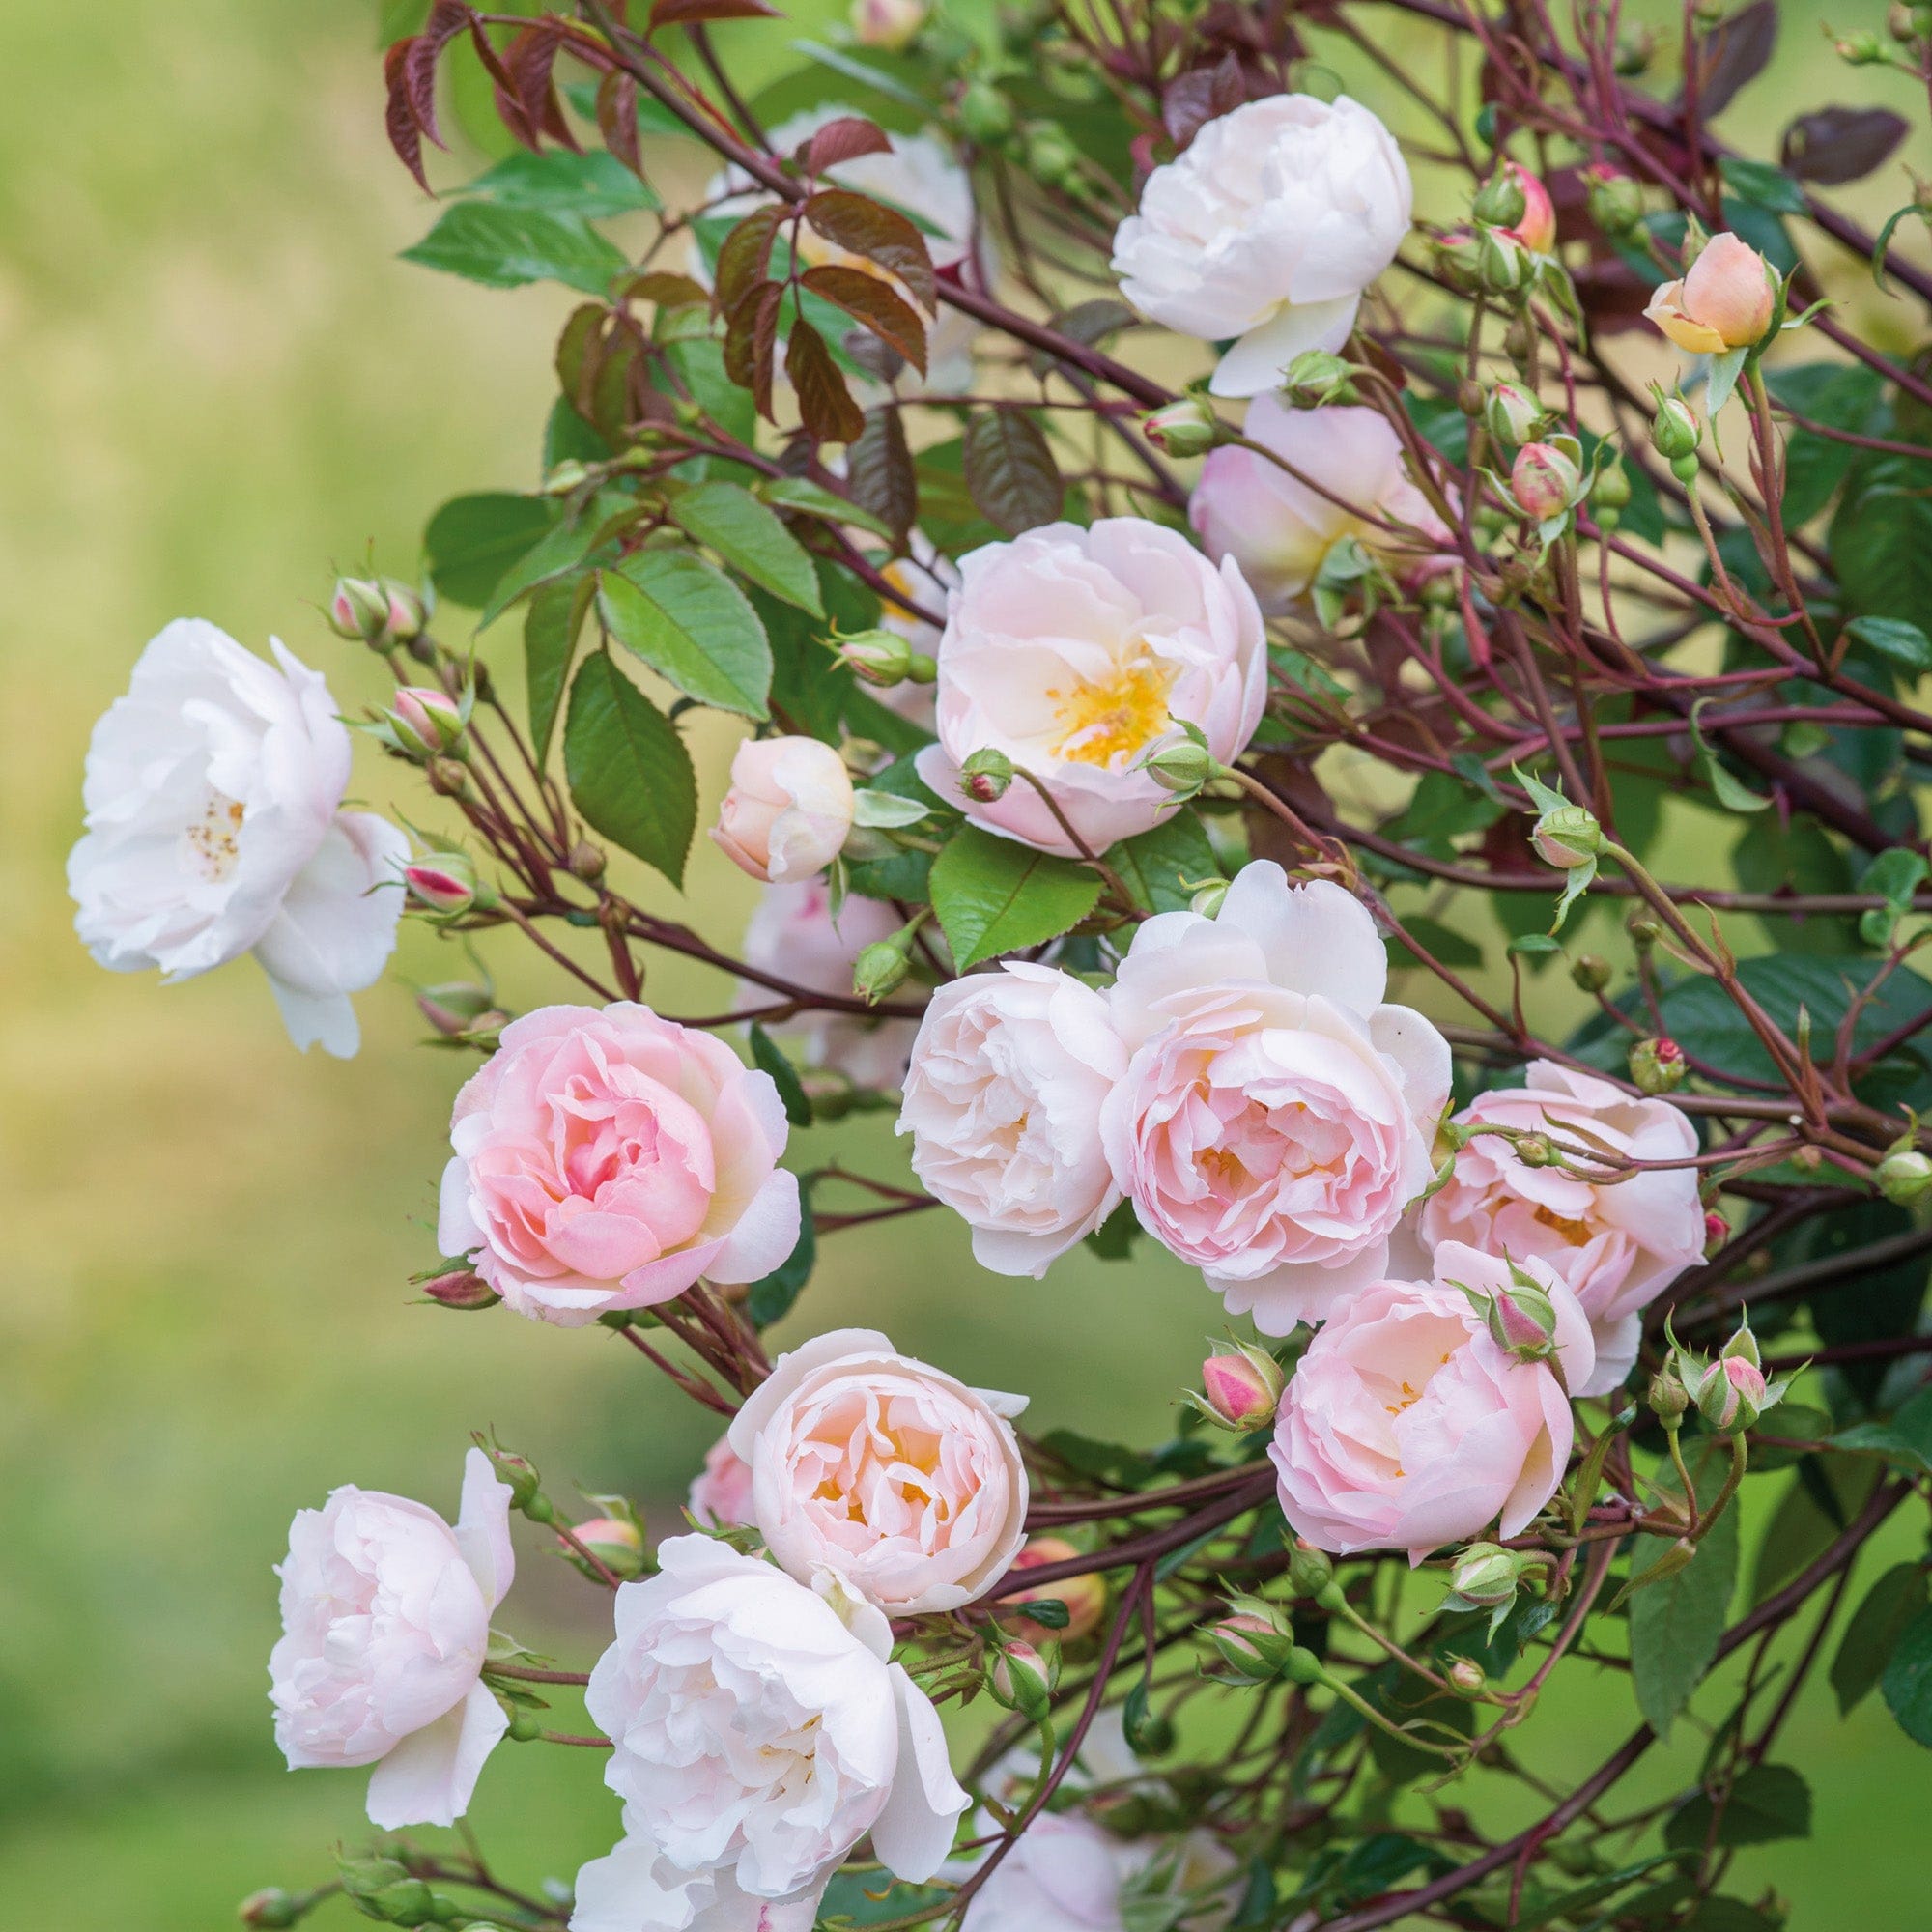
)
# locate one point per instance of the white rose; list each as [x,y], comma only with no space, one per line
[793,936]
[1067,1874]
[385,1619]
[213,828]
[1280,529]
[1269,227]
[633,1888]
[1003,1101]
[1077,653]
[759,1731]
[898,1477]
[1275,1117]
[920,176]
[788,811]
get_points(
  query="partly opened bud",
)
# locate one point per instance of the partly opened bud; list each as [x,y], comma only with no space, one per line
[1513,416]
[1083,1598]
[1020,1679]
[1184,427]
[1544,481]
[1731,1394]
[1656,1066]
[616,1543]
[1904,1178]
[1536,228]
[1566,836]
[1251,1645]
[878,657]
[985,776]
[432,719]
[1486,1575]
[1728,299]
[1241,1389]
[1717,1232]
[460,1287]
[1522,1318]
[446,883]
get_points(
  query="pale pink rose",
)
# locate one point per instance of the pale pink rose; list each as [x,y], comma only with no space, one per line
[899,1478]
[1063,1875]
[608,1159]
[721,1494]
[1726,301]
[385,1625]
[1617,1245]
[1276,1116]
[1267,226]
[793,936]
[1077,653]
[759,1731]
[1407,1427]
[1003,1101]
[788,809]
[1279,529]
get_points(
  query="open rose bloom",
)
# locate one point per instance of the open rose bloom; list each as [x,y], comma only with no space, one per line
[385,1625]
[1619,1243]
[1077,653]
[1279,528]
[609,1158]
[214,828]
[1275,1118]
[1268,227]
[759,1731]
[1725,302]
[1407,1427]
[905,1482]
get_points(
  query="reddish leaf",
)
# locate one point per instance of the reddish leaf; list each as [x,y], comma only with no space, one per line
[745,254]
[577,351]
[405,136]
[869,300]
[617,119]
[1204,94]
[1010,473]
[842,140]
[447,18]
[879,471]
[1842,144]
[666,288]
[1731,56]
[678,13]
[531,59]
[825,404]
[750,343]
[880,233]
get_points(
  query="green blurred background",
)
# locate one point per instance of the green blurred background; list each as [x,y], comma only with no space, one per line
[215,380]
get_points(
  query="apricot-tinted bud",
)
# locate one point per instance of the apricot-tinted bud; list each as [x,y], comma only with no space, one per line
[1083,1598]
[1544,481]
[1656,1066]
[616,1543]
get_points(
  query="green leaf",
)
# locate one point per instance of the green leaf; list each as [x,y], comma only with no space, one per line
[1905,1441]
[691,625]
[1907,1681]
[1449,947]
[994,895]
[1087,1455]
[1733,794]
[629,771]
[472,541]
[1113,1241]
[1767,1802]
[1894,875]
[504,247]
[772,1297]
[813,499]
[1723,382]
[751,538]
[1895,638]
[591,185]
[1881,546]
[1873,1632]
[767,1057]
[1154,866]
[1675,1623]
[562,548]
[1762,184]
[551,625]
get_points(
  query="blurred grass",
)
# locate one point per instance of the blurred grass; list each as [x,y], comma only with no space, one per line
[215,379]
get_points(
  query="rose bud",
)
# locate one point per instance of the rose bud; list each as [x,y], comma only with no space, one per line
[1675,431]
[1615,201]
[1252,1646]
[1241,1389]
[878,657]
[1020,1679]
[1566,836]
[1717,1232]
[1319,377]
[520,1473]
[430,718]
[1905,1176]
[1486,1575]
[1210,899]
[270,1909]
[359,609]
[1085,1597]
[1310,1570]
[1725,302]
[1669,1400]
[1590,971]
[1183,427]
[1536,228]
[1503,265]
[1536,1151]
[1512,415]
[587,861]
[1611,497]
[1183,768]
[887,24]
[454,1006]
[1656,1066]
[985,776]
[1731,1395]
[1501,202]
[788,811]
[460,1287]
[985,114]
[1467,1678]
[1544,481]
[1521,1317]
[445,883]
[616,1542]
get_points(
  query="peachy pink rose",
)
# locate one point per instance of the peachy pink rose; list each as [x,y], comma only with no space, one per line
[893,1475]
[608,1159]
[1276,1115]
[721,1494]
[1407,1427]
[1617,1245]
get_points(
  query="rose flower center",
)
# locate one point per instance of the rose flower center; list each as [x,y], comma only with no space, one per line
[1106,718]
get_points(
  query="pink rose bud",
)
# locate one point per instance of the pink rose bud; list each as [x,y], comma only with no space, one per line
[1085,1597]
[616,1544]
[1726,301]
[1544,481]
[888,24]
[1717,1232]
[1512,415]
[460,1287]
[1240,1393]
[454,1006]
[445,883]
[878,657]
[1566,836]
[1251,1645]
[1658,1065]
[1536,230]
[985,776]
[432,719]
[358,607]
[788,811]
[1184,427]
[1021,1679]
[1731,1394]
[1519,1316]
